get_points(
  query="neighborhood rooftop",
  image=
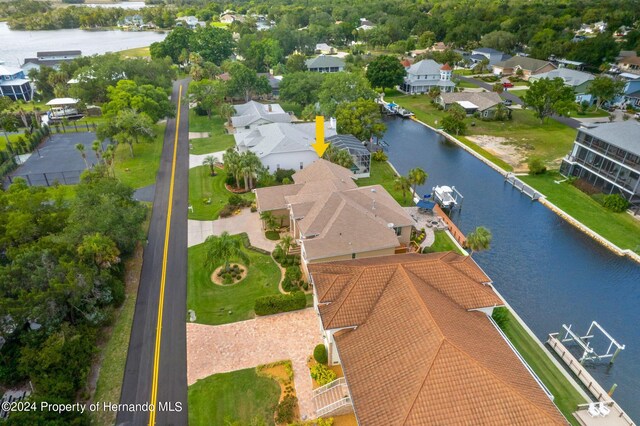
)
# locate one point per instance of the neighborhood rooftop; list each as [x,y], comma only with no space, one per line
[623,134]
[570,77]
[523,62]
[481,100]
[416,350]
[324,61]
[253,111]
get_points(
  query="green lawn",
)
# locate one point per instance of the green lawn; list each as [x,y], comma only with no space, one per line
[619,228]
[199,123]
[218,140]
[219,24]
[141,169]
[215,304]
[566,396]
[463,72]
[466,85]
[591,113]
[550,140]
[136,52]
[517,92]
[208,194]
[442,243]
[383,174]
[241,396]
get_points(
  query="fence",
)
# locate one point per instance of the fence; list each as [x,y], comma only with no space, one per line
[69,177]
[72,126]
[457,233]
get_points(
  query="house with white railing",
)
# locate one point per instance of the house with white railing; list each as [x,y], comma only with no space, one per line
[416,342]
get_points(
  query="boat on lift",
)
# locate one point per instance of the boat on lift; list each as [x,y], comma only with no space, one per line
[447,197]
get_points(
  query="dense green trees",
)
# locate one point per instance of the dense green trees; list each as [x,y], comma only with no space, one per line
[60,277]
[209,94]
[211,43]
[385,71]
[548,97]
[301,87]
[245,82]
[341,87]
[148,99]
[360,118]
[605,89]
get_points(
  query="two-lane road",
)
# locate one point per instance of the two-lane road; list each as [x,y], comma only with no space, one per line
[156,369]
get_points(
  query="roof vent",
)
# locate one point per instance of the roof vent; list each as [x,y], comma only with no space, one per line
[373,190]
[390,225]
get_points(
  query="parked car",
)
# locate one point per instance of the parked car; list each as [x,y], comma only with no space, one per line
[507,84]
[636,115]
[507,102]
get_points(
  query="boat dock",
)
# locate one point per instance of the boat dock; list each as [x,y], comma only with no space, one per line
[523,187]
[391,108]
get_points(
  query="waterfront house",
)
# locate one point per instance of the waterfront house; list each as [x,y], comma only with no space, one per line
[359,153]
[485,53]
[630,64]
[607,156]
[427,75]
[281,145]
[324,63]
[365,25]
[51,59]
[417,345]
[528,66]
[131,21]
[484,103]
[190,22]
[14,84]
[331,218]
[579,81]
[252,114]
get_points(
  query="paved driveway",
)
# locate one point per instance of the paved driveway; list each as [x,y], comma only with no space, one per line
[247,344]
[246,221]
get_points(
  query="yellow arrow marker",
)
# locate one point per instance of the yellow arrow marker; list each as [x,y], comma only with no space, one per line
[320,146]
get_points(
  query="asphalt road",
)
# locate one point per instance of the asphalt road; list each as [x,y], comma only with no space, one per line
[571,122]
[172,371]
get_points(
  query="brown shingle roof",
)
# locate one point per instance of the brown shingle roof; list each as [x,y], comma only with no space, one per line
[417,354]
[323,170]
[483,100]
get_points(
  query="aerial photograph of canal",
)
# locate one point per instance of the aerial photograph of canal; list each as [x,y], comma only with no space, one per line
[327,213]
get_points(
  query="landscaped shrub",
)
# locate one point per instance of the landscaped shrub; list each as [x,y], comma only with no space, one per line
[322,375]
[379,156]
[230,180]
[286,410]
[293,273]
[320,354]
[616,203]
[227,210]
[501,317]
[536,166]
[280,174]
[273,304]
[288,285]
[238,201]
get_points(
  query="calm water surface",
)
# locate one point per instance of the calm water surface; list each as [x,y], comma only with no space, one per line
[17,45]
[548,271]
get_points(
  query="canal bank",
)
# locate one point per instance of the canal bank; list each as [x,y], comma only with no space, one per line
[566,216]
[548,272]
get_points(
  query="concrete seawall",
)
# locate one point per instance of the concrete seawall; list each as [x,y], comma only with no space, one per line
[545,202]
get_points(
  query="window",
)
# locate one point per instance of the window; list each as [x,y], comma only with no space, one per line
[247,127]
[353,255]
[301,165]
[398,231]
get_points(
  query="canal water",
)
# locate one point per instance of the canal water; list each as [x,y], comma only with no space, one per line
[549,272]
[15,46]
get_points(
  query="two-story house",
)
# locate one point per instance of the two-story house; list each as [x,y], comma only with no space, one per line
[607,156]
[427,75]
[14,84]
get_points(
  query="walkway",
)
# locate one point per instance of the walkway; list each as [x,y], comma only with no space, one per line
[196,160]
[247,344]
[246,221]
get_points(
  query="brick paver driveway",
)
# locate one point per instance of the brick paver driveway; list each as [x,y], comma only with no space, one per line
[246,221]
[246,344]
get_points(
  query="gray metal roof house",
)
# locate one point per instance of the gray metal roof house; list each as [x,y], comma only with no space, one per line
[324,63]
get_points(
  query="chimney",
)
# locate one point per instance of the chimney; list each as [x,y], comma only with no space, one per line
[333,123]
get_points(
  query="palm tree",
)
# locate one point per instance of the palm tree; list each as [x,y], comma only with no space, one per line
[96,146]
[231,160]
[402,183]
[269,220]
[80,148]
[109,157]
[417,176]
[285,243]
[251,165]
[224,247]
[479,239]
[226,112]
[210,161]
[338,156]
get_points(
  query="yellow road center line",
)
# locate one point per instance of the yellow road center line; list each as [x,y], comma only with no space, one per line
[163,277]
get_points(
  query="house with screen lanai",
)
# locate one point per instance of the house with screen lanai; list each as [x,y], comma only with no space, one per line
[427,75]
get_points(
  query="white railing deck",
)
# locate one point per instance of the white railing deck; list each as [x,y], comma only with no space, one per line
[328,386]
[334,406]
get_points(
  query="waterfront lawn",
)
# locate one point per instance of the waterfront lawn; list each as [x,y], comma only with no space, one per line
[442,243]
[550,140]
[383,174]
[619,228]
[141,169]
[566,397]
[218,140]
[136,52]
[239,396]
[216,304]
[208,194]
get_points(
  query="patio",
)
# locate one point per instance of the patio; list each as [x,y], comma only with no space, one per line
[428,220]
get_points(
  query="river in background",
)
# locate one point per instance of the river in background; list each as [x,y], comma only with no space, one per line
[548,271]
[129,5]
[15,46]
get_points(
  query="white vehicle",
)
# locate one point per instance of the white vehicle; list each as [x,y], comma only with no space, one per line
[62,112]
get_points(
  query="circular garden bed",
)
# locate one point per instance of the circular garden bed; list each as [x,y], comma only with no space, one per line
[236,273]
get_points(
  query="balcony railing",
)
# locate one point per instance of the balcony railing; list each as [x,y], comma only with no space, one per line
[329,386]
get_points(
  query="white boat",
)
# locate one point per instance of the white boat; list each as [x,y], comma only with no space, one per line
[447,197]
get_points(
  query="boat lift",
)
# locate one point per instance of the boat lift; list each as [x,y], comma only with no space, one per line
[589,354]
[447,197]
